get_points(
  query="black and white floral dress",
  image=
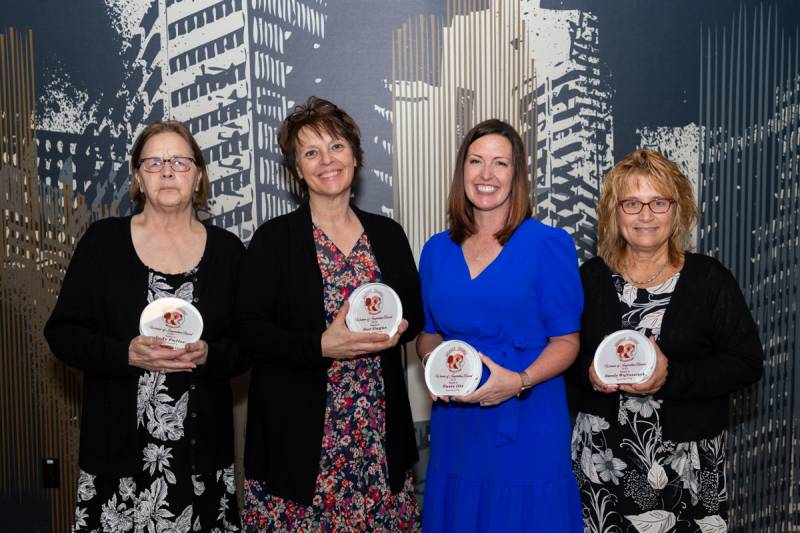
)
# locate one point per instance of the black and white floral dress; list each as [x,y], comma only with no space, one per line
[631,480]
[165,496]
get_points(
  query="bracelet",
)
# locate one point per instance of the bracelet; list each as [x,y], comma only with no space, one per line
[425,359]
[526,382]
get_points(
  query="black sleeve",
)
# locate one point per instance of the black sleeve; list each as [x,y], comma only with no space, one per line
[225,359]
[737,356]
[578,373]
[261,338]
[72,329]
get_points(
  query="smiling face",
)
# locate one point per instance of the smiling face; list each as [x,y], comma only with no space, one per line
[325,163]
[489,172]
[645,231]
[167,189]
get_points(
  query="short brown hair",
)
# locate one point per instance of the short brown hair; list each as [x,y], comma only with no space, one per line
[666,177]
[319,115]
[200,196]
[460,209]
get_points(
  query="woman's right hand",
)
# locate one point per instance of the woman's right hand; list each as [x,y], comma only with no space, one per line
[598,385]
[338,342]
[148,353]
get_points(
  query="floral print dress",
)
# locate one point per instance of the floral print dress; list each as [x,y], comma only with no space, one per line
[631,480]
[352,488]
[165,496]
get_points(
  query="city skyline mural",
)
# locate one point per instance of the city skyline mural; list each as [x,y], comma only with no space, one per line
[713,85]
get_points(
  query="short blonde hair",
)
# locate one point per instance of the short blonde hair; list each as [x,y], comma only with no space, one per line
[200,196]
[665,177]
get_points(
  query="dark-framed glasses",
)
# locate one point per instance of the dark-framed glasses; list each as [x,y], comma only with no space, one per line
[632,206]
[155,164]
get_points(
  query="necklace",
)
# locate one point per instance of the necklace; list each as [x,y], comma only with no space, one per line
[648,280]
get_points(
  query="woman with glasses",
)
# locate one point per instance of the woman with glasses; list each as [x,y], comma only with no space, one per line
[330,439]
[156,444]
[653,454]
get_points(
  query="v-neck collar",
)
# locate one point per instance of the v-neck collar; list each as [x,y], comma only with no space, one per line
[338,251]
[487,267]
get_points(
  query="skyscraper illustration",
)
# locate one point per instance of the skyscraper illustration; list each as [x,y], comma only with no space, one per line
[749,200]
[574,121]
[441,90]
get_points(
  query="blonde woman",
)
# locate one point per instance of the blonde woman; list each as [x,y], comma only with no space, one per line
[655,452]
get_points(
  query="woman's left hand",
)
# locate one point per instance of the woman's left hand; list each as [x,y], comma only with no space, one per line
[196,352]
[657,380]
[501,385]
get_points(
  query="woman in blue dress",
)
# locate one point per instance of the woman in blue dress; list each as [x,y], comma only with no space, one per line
[509,286]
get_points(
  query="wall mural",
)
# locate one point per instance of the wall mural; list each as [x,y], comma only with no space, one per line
[714,85]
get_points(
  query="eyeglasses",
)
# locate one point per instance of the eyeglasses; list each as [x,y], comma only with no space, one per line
[632,206]
[155,164]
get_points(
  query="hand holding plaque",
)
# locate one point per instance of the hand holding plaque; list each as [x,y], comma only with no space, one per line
[624,357]
[174,321]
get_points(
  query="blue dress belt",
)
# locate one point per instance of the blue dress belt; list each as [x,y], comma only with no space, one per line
[511,354]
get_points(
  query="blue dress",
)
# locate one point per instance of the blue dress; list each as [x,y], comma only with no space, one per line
[506,467]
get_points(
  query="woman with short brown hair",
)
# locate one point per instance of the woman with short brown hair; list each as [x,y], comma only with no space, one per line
[330,440]
[156,450]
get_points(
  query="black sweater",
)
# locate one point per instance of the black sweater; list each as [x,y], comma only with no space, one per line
[707,334]
[93,322]
[281,320]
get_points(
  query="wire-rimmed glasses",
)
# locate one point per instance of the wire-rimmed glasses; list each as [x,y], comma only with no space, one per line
[177,163]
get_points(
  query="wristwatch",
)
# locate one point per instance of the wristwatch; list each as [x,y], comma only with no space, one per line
[526,382]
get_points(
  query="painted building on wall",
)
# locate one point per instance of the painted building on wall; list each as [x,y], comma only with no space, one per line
[416,76]
[750,200]
[278,32]
[575,140]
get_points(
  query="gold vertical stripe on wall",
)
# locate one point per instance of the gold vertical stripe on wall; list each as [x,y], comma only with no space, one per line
[449,74]
[39,396]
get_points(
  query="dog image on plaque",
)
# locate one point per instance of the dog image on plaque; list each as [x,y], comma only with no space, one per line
[176,322]
[374,308]
[626,356]
[454,368]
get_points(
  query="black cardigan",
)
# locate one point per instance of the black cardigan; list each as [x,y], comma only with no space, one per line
[707,334]
[281,319]
[93,322]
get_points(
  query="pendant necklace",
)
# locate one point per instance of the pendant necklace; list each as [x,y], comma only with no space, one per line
[648,280]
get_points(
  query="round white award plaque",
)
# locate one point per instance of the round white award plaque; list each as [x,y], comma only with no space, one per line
[374,308]
[453,368]
[625,356]
[176,322]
